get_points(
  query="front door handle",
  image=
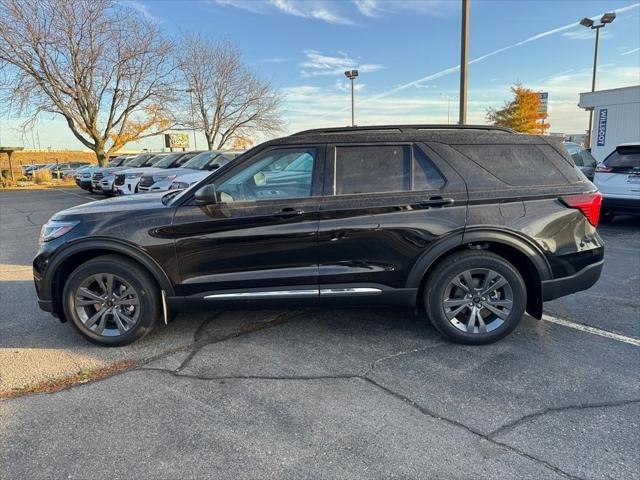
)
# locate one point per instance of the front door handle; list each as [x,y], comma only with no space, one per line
[436,202]
[289,212]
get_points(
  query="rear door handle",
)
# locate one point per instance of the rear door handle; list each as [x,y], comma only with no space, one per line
[289,212]
[436,202]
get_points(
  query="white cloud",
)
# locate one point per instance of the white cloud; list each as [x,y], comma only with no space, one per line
[345,86]
[141,8]
[323,10]
[629,52]
[318,64]
[585,34]
[378,8]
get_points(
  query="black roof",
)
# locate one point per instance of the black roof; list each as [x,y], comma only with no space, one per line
[449,134]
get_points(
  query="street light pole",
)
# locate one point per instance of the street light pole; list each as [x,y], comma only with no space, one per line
[351,75]
[587,22]
[193,123]
[464,45]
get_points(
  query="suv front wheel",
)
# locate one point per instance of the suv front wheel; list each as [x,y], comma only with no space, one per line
[111,300]
[475,297]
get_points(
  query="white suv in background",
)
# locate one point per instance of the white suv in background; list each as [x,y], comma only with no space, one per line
[618,178]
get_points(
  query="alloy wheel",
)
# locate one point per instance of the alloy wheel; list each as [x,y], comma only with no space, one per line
[478,301]
[107,304]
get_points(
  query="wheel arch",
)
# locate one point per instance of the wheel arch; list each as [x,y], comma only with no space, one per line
[77,253]
[522,252]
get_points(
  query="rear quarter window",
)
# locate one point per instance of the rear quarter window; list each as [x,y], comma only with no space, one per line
[520,165]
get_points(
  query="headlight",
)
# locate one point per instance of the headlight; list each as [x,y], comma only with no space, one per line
[163,178]
[133,175]
[178,185]
[54,229]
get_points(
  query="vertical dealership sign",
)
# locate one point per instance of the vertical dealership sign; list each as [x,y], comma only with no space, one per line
[544,102]
[601,133]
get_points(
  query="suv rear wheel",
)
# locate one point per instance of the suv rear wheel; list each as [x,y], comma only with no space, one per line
[111,300]
[475,297]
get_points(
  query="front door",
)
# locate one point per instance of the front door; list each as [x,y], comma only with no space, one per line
[259,240]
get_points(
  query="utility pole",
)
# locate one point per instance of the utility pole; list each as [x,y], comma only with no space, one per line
[193,122]
[464,45]
[351,75]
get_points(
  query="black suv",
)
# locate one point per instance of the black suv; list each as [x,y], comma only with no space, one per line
[472,225]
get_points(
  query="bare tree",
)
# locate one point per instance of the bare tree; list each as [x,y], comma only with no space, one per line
[230,100]
[105,68]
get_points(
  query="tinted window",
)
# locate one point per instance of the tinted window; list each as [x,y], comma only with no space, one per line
[383,168]
[624,157]
[519,165]
[281,173]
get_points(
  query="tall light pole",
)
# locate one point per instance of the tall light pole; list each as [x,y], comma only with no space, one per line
[464,45]
[587,22]
[193,123]
[448,107]
[351,75]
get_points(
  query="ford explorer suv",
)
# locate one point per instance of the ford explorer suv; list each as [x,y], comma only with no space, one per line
[469,226]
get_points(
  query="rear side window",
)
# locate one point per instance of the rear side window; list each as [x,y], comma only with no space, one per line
[383,168]
[518,165]
[624,157]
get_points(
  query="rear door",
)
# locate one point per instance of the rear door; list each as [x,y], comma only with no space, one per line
[619,174]
[383,207]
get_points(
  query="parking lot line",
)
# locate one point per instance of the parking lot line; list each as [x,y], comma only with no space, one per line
[592,330]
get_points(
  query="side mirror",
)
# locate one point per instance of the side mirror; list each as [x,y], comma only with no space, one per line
[206,195]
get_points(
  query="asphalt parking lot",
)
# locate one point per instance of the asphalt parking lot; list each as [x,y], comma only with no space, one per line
[349,393]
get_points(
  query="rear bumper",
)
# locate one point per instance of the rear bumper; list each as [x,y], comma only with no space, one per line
[581,280]
[629,205]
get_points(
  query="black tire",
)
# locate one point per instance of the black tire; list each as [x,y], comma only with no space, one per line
[127,276]
[441,283]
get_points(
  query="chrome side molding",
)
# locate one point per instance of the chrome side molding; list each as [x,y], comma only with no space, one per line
[263,294]
[334,292]
[323,292]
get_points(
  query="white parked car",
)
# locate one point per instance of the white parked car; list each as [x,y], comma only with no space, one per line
[177,161]
[203,163]
[126,181]
[618,178]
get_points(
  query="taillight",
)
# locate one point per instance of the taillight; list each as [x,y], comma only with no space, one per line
[603,169]
[589,204]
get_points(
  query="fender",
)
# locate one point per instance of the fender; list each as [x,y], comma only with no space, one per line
[116,246]
[479,234]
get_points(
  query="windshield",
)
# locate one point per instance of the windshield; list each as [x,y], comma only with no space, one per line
[200,161]
[153,160]
[139,160]
[168,160]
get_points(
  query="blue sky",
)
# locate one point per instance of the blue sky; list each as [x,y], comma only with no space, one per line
[407,52]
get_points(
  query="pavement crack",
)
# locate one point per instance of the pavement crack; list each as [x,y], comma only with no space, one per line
[430,413]
[210,340]
[375,363]
[581,406]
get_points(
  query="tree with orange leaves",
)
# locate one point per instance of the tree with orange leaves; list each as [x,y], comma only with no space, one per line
[521,114]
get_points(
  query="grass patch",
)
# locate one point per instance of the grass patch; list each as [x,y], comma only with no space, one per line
[57,384]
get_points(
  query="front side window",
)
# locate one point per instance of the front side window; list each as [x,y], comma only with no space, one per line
[280,173]
[383,168]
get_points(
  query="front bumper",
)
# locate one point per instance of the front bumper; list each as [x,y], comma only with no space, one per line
[84,184]
[581,280]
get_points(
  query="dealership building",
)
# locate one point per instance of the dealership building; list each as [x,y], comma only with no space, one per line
[616,118]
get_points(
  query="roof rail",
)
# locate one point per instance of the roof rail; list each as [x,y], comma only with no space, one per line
[402,128]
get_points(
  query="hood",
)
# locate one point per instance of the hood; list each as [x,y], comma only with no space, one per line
[127,203]
[193,176]
[143,171]
[174,171]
